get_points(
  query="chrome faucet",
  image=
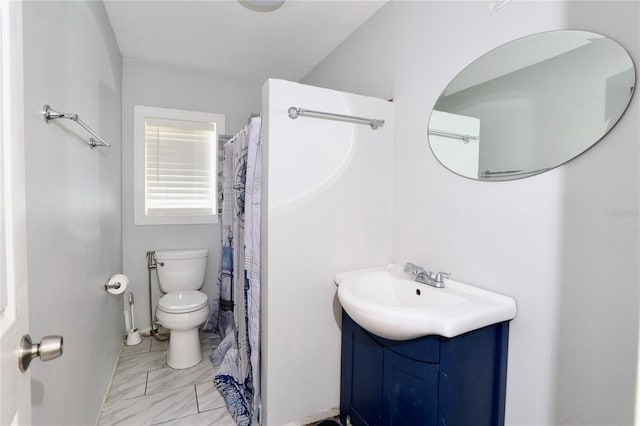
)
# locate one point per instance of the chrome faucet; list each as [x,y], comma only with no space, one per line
[434,279]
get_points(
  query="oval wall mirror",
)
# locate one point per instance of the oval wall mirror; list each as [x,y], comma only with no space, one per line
[531,105]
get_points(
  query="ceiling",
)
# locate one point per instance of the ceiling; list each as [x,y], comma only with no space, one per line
[225,36]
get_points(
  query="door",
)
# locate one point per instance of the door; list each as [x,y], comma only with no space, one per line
[361,376]
[410,395]
[15,392]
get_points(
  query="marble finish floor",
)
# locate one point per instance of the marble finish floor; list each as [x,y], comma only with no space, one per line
[145,391]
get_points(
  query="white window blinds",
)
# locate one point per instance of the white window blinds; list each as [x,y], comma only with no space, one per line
[180,167]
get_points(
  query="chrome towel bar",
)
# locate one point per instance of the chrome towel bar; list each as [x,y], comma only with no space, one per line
[51,114]
[294,112]
[463,137]
[504,173]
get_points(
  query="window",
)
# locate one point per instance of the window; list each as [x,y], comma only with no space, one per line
[175,159]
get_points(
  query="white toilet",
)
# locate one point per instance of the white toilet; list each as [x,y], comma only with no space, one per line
[183,308]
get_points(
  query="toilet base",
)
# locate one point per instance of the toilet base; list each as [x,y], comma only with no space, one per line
[184,349]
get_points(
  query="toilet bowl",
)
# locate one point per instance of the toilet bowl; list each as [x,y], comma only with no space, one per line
[183,308]
[182,312]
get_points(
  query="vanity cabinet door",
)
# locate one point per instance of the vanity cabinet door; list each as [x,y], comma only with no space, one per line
[410,391]
[459,381]
[361,377]
[473,375]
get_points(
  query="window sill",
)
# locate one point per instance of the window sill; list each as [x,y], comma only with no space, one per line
[176,220]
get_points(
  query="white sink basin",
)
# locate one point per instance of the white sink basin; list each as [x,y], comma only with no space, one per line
[389,303]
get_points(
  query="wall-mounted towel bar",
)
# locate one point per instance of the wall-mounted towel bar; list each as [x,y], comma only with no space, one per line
[489,174]
[51,114]
[294,112]
[462,136]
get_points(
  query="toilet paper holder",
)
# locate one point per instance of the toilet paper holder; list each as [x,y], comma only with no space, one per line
[114,286]
[117,284]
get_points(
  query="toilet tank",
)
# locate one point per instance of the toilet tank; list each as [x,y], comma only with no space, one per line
[181,269]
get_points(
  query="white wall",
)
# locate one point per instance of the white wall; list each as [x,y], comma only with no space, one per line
[169,86]
[71,61]
[326,209]
[564,243]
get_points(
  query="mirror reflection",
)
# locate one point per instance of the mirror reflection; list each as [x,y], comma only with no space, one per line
[531,105]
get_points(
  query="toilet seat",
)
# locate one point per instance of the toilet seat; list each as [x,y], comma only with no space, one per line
[178,302]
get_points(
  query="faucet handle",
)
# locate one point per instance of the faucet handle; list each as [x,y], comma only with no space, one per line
[441,275]
[411,268]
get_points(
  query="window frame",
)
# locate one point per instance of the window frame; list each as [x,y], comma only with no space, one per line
[140,114]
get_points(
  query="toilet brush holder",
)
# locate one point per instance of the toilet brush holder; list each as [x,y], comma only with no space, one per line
[133,337]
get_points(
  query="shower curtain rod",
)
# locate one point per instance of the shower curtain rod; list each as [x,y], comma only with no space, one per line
[230,138]
[51,114]
[465,138]
[294,112]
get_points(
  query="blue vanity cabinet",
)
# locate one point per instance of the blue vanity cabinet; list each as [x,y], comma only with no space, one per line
[361,378]
[428,381]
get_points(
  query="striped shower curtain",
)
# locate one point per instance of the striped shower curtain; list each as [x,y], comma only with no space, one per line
[235,321]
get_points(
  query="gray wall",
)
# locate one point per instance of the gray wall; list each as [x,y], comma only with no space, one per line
[71,61]
[168,86]
[564,244]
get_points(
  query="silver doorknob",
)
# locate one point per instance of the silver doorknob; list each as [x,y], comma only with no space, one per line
[50,347]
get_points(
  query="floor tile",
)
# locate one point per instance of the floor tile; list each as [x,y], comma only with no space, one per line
[168,378]
[159,345]
[205,343]
[205,354]
[140,348]
[209,397]
[145,391]
[142,362]
[127,386]
[219,417]
[150,409]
